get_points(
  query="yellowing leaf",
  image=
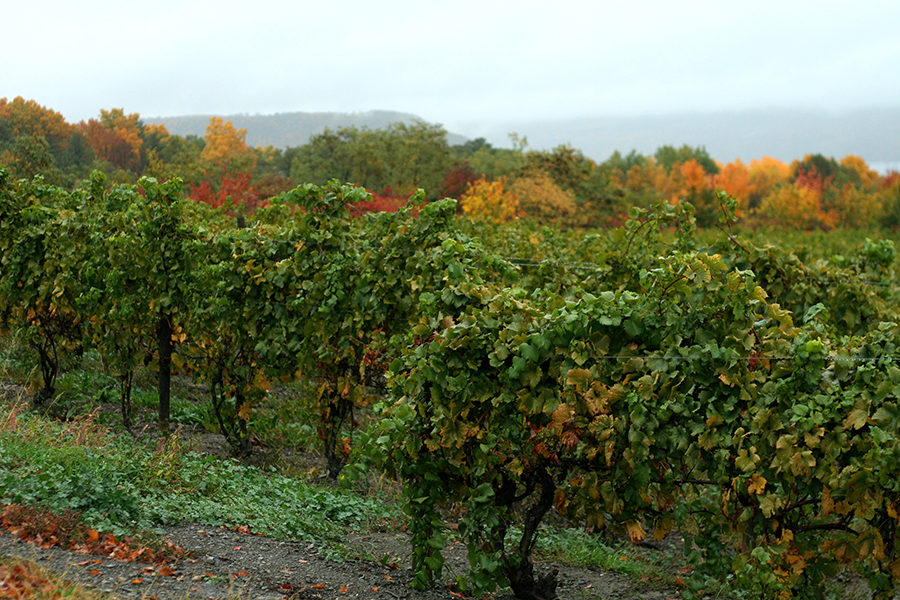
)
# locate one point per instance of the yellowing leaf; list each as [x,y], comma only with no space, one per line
[635,531]
[662,527]
[580,378]
[757,484]
[827,502]
[856,419]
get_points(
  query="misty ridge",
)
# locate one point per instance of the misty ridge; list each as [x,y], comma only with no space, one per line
[873,134]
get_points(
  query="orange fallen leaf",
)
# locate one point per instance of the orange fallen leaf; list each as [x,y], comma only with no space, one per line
[374,589]
[243,573]
[166,571]
[236,548]
[343,589]
[95,572]
[137,581]
[318,586]
[93,536]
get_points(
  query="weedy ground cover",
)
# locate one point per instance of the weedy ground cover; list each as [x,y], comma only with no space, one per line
[79,461]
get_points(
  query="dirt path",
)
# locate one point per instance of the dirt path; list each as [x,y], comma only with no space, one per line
[227,564]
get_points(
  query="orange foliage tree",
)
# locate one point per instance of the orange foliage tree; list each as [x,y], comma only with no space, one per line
[734,179]
[115,138]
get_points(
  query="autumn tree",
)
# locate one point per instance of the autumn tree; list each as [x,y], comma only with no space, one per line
[540,198]
[490,200]
[226,150]
[35,140]
[859,171]
[795,206]
[457,180]
[734,179]
[765,175]
[115,138]
[21,117]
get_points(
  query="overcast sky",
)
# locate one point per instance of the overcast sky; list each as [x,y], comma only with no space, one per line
[451,62]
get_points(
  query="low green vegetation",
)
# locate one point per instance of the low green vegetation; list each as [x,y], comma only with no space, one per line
[119,485]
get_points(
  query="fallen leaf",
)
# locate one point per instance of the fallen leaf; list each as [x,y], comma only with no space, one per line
[93,536]
[95,572]
[318,586]
[236,548]
[166,571]
[343,589]
[374,589]
[137,581]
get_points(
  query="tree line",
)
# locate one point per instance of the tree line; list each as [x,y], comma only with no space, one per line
[559,187]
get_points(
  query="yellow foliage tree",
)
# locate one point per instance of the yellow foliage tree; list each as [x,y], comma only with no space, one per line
[797,207]
[490,200]
[765,174]
[28,118]
[540,198]
[868,178]
[226,150]
[856,207]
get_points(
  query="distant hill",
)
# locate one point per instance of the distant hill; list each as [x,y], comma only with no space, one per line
[290,129]
[873,134]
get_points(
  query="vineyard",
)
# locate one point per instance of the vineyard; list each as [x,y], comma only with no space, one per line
[641,379]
